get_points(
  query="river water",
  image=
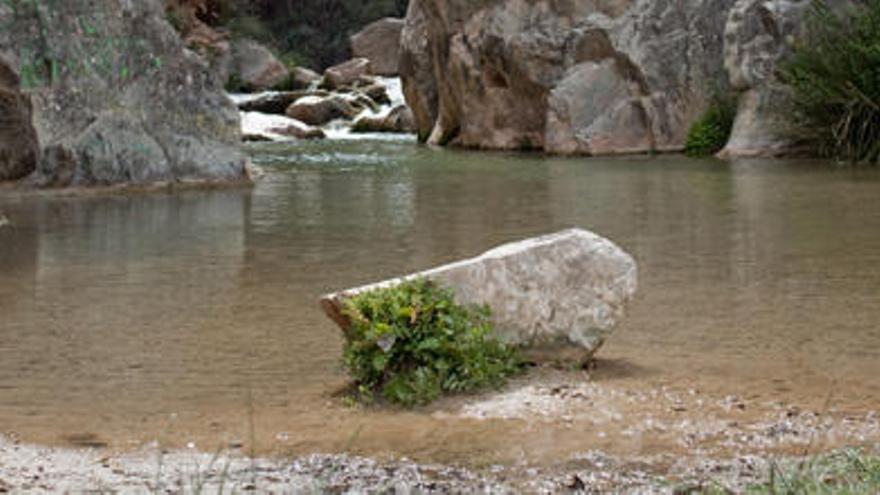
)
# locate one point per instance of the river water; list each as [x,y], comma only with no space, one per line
[192,316]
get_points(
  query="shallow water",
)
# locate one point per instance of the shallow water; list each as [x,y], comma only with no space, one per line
[179,316]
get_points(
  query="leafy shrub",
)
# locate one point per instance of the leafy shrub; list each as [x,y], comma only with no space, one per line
[411,342]
[710,133]
[834,75]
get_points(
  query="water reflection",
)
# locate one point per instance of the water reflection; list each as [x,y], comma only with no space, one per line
[116,309]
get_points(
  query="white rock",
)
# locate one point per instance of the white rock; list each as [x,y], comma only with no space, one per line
[559,296]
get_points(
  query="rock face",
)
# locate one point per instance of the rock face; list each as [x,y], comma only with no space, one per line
[256,67]
[559,295]
[379,42]
[579,76]
[759,33]
[19,149]
[116,97]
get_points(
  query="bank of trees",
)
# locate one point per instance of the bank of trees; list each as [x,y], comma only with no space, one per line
[835,78]
[312,33]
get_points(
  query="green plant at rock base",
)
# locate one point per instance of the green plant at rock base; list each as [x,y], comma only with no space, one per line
[710,133]
[834,75]
[411,342]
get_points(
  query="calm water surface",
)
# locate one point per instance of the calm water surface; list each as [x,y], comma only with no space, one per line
[126,317]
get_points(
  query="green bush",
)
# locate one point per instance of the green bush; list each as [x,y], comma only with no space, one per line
[834,75]
[410,342]
[710,133]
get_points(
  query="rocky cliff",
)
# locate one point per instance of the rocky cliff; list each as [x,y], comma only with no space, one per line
[591,76]
[110,94]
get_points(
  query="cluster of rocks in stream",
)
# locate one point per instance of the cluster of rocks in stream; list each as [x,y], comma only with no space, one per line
[348,94]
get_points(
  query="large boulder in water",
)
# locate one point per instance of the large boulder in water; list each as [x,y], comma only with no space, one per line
[559,296]
[19,149]
[579,76]
[379,42]
[116,96]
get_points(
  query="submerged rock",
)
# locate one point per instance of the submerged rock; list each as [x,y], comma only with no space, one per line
[116,96]
[559,296]
[380,43]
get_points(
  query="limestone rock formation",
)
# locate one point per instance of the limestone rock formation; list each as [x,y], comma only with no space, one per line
[559,296]
[19,149]
[256,67]
[116,96]
[379,42]
[758,34]
[580,76]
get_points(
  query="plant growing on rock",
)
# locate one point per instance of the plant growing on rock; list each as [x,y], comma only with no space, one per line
[834,75]
[710,132]
[411,342]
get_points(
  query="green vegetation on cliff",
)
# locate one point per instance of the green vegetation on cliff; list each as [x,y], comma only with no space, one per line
[835,79]
[411,342]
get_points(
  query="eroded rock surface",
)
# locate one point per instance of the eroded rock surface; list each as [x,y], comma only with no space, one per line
[559,295]
[116,96]
[583,76]
[379,42]
[758,35]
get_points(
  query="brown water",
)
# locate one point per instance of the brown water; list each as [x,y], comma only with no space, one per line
[126,318]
